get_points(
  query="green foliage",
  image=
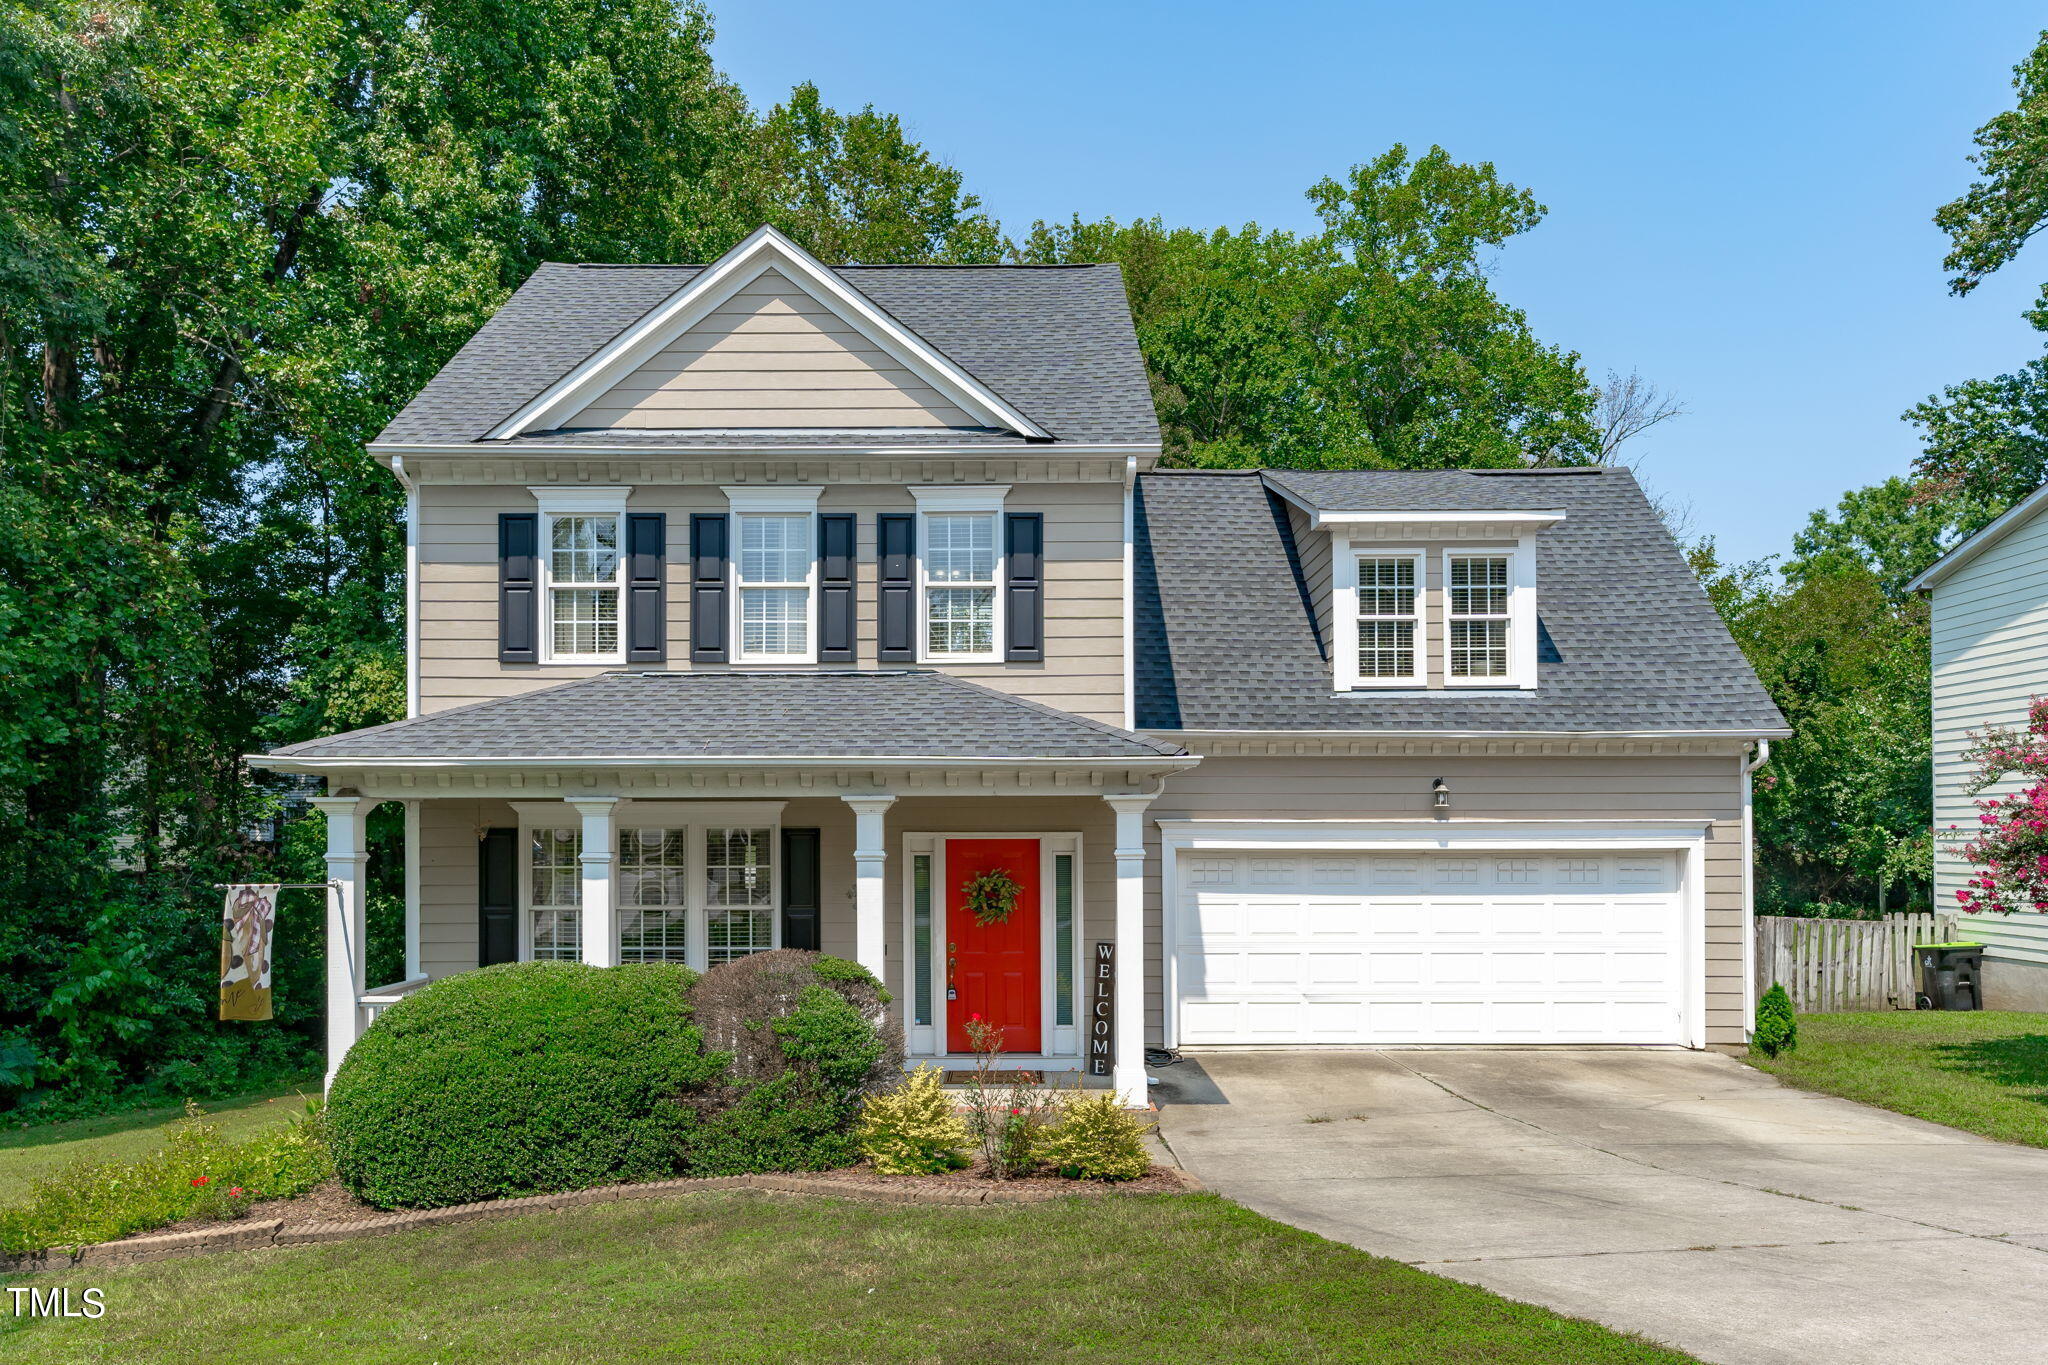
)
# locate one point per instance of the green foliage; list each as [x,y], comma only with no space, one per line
[1777,1030]
[808,1047]
[234,240]
[197,1174]
[914,1129]
[1376,342]
[1843,807]
[1096,1138]
[521,1078]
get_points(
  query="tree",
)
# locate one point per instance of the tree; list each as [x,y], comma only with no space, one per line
[1630,405]
[234,239]
[1987,438]
[1375,342]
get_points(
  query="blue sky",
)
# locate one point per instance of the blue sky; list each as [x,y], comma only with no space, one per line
[1740,194]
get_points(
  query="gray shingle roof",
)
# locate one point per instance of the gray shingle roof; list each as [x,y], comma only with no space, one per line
[696,715]
[1053,341]
[1226,637]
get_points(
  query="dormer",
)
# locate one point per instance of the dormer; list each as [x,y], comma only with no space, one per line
[1420,598]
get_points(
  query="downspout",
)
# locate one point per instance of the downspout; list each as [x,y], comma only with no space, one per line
[1761,756]
[1130,601]
[412,585]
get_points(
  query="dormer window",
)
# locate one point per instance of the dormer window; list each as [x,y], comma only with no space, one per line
[1477,623]
[1390,637]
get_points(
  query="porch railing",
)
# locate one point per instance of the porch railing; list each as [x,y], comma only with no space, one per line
[380,998]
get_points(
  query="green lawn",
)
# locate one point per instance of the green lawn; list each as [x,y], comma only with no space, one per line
[741,1276]
[1985,1071]
[27,1154]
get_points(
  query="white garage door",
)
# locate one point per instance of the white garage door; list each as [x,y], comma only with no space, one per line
[1304,948]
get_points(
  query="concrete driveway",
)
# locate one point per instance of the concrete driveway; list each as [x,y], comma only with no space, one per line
[1676,1194]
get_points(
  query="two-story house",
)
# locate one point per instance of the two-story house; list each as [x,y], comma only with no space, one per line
[766,604]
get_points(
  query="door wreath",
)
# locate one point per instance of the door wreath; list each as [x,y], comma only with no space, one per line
[991,895]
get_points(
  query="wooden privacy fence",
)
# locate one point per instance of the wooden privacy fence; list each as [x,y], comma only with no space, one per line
[1846,964]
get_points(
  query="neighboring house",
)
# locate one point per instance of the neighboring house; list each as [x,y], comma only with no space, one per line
[1988,600]
[765,604]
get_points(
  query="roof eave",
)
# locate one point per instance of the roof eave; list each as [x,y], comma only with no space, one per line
[285,763]
[1997,529]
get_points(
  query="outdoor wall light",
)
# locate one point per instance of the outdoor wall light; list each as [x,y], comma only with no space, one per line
[1439,795]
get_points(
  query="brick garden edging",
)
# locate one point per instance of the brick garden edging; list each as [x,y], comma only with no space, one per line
[265,1232]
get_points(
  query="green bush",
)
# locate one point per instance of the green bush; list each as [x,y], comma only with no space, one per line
[196,1174]
[1095,1139]
[809,1040]
[914,1129]
[1777,1029]
[521,1078]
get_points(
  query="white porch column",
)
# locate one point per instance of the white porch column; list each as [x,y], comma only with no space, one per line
[870,862]
[412,891]
[347,855]
[600,903]
[1129,1067]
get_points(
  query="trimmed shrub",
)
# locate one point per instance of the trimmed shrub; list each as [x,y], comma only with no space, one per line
[196,1174]
[913,1129]
[520,1079]
[809,1040]
[1096,1139]
[1777,1028]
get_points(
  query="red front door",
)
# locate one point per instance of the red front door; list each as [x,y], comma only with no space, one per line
[993,969]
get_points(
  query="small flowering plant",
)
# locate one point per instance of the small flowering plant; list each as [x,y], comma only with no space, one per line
[2010,850]
[1006,1114]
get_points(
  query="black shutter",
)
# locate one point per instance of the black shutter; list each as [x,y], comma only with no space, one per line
[519,587]
[802,890]
[497,897]
[896,579]
[1024,587]
[835,588]
[646,587]
[707,587]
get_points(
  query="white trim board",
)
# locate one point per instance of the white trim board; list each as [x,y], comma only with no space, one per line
[763,250]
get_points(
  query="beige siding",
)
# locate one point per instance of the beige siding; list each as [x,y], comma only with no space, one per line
[1519,788]
[1083,668]
[1990,644]
[1705,788]
[771,356]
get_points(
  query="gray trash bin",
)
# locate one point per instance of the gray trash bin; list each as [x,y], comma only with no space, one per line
[1951,976]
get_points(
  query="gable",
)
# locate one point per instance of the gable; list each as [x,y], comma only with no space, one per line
[772,355]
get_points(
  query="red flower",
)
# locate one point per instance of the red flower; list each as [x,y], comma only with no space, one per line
[200,1180]
[234,1192]
[1016,1111]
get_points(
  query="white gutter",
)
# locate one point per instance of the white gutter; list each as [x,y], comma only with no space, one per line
[1749,766]
[498,450]
[289,764]
[1749,734]
[412,585]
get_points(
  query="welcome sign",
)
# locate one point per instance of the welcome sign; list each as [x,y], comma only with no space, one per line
[1102,1011]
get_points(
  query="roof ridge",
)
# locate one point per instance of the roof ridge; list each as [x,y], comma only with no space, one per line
[849,265]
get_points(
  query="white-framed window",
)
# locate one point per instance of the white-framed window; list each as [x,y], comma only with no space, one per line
[1381,638]
[739,892]
[695,882]
[959,567]
[1478,626]
[554,879]
[774,567]
[654,894]
[583,567]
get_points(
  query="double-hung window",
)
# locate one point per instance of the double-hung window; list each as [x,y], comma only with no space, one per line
[775,565]
[1378,598]
[582,533]
[555,893]
[1477,589]
[960,560]
[654,895]
[740,892]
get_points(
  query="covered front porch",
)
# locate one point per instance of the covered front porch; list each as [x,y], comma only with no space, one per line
[702,859]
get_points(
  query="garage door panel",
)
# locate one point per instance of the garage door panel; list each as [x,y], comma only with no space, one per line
[1540,948]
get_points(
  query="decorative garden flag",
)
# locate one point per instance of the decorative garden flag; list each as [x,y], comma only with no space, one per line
[247,922]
